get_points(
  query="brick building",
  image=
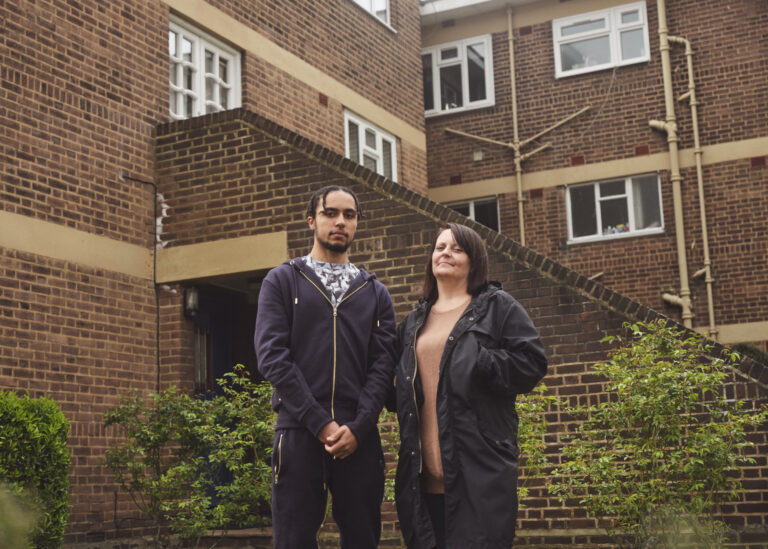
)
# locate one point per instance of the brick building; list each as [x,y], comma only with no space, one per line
[597,193]
[125,191]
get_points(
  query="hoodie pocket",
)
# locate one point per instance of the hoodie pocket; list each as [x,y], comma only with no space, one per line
[277,458]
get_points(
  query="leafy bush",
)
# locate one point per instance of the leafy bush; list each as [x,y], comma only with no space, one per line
[390,442]
[34,462]
[531,408]
[196,464]
[658,456]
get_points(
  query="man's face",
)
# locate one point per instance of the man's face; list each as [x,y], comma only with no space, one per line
[335,222]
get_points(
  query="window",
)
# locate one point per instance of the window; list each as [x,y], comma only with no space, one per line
[378,8]
[458,75]
[485,211]
[615,208]
[204,73]
[370,146]
[600,40]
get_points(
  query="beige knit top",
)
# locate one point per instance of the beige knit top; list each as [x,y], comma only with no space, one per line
[429,351]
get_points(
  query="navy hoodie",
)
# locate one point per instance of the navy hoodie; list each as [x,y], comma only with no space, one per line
[325,363]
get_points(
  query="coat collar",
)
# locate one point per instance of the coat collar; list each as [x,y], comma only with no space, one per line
[479,304]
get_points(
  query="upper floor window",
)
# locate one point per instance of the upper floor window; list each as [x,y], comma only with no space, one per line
[458,75]
[204,72]
[370,146]
[378,8]
[484,210]
[601,39]
[615,208]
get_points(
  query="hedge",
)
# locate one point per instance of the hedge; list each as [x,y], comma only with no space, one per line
[34,462]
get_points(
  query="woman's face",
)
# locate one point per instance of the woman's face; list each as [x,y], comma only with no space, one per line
[449,261]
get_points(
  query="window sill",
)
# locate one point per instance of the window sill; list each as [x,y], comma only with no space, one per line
[379,21]
[608,238]
[598,68]
[431,114]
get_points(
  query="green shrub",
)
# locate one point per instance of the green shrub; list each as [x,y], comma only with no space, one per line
[659,455]
[532,408]
[34,462]
[196,464]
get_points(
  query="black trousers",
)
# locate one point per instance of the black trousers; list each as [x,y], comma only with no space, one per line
[436,508]
[303,473]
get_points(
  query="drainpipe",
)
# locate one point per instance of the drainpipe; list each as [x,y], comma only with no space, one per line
[515,136]
[670,127]
[706,271]
[516,145]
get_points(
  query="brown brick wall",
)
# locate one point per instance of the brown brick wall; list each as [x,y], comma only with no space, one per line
[80,336]
[342,40]
[80,98]
[298,107]
[730,68]
[83,86]
[85,83]
[393,241]
[643,267]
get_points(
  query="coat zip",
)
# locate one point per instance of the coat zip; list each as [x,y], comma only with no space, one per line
[413,389]
[335,315]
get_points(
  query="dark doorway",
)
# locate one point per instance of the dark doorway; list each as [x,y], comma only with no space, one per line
[224,322]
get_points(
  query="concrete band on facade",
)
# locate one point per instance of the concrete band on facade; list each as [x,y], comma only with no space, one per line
[30,235]
[713,154]
[221,257]
[197,261]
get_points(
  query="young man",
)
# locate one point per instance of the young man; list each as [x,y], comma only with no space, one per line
[325,339]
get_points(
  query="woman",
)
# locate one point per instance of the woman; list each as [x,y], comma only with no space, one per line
[466,351]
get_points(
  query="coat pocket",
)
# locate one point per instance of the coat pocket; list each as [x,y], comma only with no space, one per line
[482,336]
[501,438]
[505,448]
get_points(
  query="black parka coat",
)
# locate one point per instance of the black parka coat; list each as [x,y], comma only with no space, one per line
[492,354]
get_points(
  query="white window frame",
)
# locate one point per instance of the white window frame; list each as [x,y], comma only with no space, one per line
[376,153]
[613,28]
[437,63]
[201,42]
[473,202]
[370,7]
[628,195]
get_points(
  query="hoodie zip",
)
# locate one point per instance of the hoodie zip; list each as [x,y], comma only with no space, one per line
[335,315]
[279,458]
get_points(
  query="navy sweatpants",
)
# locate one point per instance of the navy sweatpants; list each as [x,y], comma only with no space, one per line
[303,473]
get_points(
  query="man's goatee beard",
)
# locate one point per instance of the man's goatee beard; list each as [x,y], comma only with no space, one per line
[338,248]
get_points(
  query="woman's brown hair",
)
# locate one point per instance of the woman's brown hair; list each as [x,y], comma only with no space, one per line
[473,246]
